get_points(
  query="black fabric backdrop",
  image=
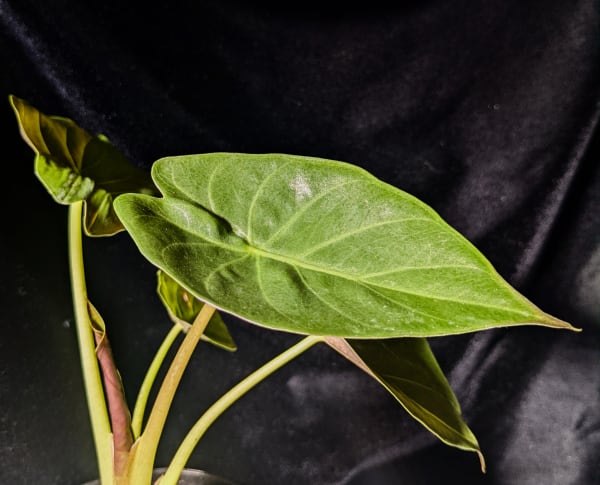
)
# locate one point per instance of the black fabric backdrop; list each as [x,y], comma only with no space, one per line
[486,110]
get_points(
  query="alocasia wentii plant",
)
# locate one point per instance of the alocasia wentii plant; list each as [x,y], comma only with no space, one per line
[314,247]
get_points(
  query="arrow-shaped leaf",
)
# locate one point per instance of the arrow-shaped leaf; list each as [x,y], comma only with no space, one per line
[76,166]
[183,307]
[317,247]
[407,368]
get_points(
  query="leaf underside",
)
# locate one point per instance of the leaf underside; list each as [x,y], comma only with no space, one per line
[318,247]
[75,166]
[407,369]
[183,308]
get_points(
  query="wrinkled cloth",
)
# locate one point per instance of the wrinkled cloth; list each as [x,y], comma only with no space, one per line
[487,111]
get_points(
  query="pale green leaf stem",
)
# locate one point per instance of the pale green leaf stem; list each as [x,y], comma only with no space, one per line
[144,449]
[188,444]
[89,364]
[149,379]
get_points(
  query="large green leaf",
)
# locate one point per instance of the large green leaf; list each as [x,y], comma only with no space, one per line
[407,368]
[183,307]
[317,247]
[76,166]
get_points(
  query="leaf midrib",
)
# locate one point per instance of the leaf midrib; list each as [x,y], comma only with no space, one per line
[289,260]
[253,250]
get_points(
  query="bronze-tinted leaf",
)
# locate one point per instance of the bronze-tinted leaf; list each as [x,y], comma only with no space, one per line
[75,166]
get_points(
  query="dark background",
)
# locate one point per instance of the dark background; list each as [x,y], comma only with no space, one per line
[486,110]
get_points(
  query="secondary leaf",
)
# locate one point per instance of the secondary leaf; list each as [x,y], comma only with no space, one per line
[407,368]
[74,166]
[120,418]
[183,307]
[317,247]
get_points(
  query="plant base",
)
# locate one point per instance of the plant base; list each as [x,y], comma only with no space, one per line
[189,476]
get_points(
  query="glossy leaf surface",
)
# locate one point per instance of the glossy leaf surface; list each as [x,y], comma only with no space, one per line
[183,308]
[407,368]
[317,247]
[76,166]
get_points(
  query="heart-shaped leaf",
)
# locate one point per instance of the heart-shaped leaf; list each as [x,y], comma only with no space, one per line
[183,307]
[76,166]
[317,247]
[407,368]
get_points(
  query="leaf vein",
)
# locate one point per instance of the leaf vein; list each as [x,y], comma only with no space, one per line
[209,188]
[264,293]
[345,235]
[412,382]
[222,266]
[410,309]
[325,302]
[417,268]
[304,208]
[256,195]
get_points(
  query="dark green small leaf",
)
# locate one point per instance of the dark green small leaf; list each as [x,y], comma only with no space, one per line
[76,166]
[317,247]
[407,368]
[183,308]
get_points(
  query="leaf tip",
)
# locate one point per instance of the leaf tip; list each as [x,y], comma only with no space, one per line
[481,461]
[17,104]
[551,321]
